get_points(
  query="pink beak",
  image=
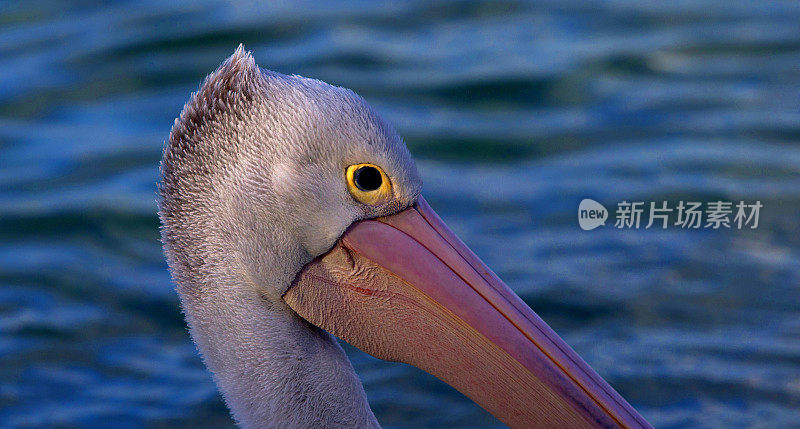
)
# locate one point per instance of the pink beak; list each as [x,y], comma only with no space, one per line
[405,288]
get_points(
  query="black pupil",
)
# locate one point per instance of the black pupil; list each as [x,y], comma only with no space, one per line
[368,178]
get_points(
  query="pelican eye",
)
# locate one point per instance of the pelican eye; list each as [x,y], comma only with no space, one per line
[368,184]
[367,178]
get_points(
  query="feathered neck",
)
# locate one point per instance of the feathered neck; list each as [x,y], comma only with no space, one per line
[273,368]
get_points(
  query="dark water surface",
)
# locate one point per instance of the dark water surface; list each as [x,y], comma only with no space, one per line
[515,112]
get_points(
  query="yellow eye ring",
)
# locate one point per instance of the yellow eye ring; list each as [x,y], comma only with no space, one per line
[368,184]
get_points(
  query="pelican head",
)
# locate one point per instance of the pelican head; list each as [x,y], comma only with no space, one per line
[291,211]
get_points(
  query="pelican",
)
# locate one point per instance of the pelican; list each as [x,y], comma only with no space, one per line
[291,212]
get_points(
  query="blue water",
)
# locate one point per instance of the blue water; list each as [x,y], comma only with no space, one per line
[515,112]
